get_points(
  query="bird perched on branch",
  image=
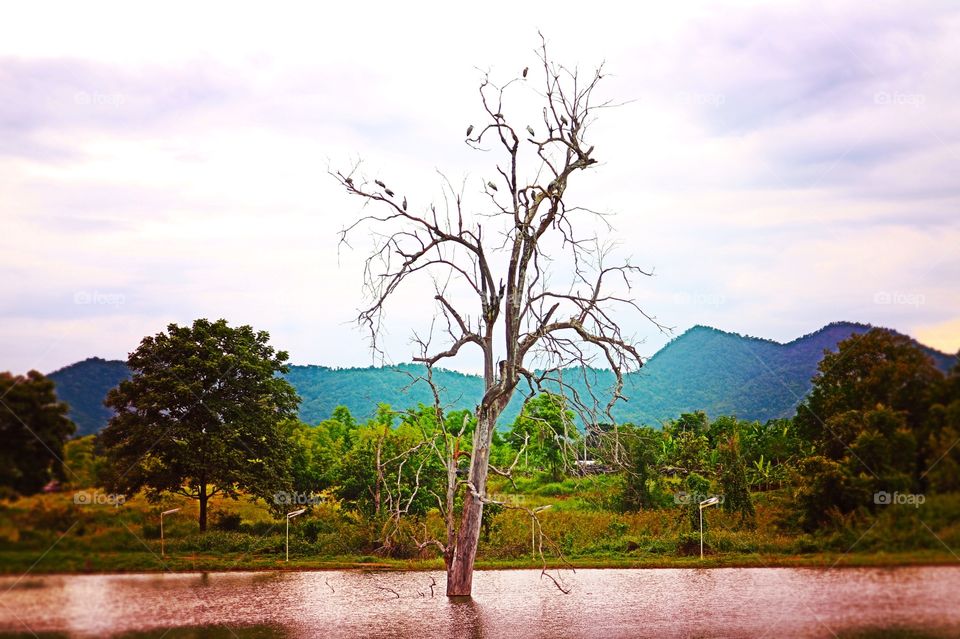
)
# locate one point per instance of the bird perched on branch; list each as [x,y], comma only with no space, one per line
[469,130]
[380,184]
[388,192]
[525,69]
[530,130]
[404,202]
[492,186]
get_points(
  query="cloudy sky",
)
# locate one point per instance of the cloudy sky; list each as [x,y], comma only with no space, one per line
[779,166]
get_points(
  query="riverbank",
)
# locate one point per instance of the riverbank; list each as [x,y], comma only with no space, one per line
[53,562]
[59,534]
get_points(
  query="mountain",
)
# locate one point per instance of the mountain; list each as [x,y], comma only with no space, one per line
[84,386]
[703,369]
[730,374]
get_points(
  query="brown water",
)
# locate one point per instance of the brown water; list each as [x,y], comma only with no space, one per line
[735,602]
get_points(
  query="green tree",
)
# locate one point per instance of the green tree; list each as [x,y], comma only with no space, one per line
[546,425]
[689,453]
[876,368]
[203,414]
[319,451]
[86,464]
[943,471]
[641,446]
[771,451]
[695,422]
[868,420]
[732,473]
[33,429]
[389,470]
[697,489]
[825,490]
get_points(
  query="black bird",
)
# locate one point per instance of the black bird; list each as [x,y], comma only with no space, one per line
[492,185]
[380,184]
[469,130]
[388,192]
[530,130]
[525,69]
[404,202]
[349,181]
[563,120]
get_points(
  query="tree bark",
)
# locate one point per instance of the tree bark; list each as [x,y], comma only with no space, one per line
[202,498]
[460,570]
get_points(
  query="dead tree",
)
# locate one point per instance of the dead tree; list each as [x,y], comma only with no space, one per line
[544,295]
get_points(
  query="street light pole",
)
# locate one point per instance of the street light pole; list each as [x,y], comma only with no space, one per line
[533,528]
[706,503]
[163,552]
[290,516]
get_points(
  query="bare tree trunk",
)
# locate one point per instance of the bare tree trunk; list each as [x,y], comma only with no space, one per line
[552,328]
[460,571]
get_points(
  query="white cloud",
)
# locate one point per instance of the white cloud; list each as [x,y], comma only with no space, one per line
[179,159]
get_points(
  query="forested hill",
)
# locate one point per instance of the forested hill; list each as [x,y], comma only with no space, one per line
[702,369]
[84,386]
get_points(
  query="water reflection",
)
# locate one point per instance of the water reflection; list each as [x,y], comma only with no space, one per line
[198,632]
[772,602]
[466,617]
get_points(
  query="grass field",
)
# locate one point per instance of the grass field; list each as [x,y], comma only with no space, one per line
[54,534]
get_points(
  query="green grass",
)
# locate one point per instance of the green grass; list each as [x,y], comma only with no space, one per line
[60,562]
[51,533]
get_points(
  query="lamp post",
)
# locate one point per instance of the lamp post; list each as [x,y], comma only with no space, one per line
[289,517]
[533,528]
[706,503]
[166,512]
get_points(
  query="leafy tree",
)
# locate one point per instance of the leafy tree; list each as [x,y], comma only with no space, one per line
[733,480]
[943,471]
[83,457]
[203,414]
[319,451]
[641,447]
[545,424]
[868,421]
[775,443]
[696,423]
[689,453]
[879,457]
[697,488]
[362,474]
[826,489]
[389,469]
[33,429]
[878,367]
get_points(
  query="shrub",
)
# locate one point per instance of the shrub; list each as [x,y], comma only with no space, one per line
[229,522]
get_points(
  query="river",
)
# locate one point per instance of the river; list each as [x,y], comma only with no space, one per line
[726,602]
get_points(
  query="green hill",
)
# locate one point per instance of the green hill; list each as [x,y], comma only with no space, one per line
[84,386]
[702,369]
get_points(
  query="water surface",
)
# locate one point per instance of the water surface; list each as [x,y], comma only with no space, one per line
[734,602]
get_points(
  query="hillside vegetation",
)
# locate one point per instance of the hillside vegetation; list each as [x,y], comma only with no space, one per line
[705,369]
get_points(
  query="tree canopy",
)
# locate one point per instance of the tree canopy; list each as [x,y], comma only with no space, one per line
[203,414]
[33,429]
